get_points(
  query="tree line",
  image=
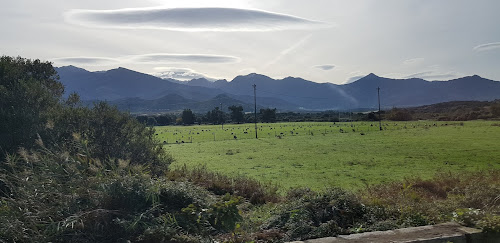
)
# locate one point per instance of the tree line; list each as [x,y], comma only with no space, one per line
[215,116]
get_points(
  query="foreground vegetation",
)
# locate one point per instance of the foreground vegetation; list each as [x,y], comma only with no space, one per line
[75,174]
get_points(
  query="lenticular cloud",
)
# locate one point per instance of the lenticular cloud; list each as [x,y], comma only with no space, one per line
[86,60]
[190,19]
[160,58]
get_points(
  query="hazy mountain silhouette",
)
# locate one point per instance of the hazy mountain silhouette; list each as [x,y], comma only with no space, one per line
[144,92]
[122,83]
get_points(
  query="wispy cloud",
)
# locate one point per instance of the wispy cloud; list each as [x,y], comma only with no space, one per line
[190,19]
[165,58]
[413,61]
[182,74]
[487,47]
[288,50]
[353,79]
[325,67]
[87,61]
[434,75]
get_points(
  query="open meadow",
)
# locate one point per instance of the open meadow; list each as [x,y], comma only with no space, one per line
[348,155]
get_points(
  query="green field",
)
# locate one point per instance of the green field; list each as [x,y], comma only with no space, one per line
[319,155]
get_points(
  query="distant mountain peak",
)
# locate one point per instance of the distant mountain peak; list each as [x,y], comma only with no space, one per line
[372,75]
[71,68]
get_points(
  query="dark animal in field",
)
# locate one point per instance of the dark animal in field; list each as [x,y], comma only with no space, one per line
[235,137]
[182,141]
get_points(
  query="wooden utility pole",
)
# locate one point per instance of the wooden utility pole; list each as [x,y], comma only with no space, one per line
[379,116]
[255,108]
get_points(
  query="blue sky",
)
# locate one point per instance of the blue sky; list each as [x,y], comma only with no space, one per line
[319,40]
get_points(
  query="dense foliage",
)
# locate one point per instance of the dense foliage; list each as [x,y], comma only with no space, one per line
[29,92]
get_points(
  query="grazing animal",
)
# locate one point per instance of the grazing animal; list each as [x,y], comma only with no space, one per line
[235,137]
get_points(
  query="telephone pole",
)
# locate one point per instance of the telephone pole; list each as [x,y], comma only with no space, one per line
[255,109]
[379,116]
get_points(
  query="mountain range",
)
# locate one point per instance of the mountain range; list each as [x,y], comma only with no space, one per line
[139,92]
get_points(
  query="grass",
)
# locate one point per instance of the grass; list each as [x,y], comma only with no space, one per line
[320,156]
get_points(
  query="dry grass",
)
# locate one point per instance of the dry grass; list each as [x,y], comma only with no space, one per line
[256,192]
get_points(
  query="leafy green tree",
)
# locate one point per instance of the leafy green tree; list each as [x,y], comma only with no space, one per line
[237,113]
[188,117]
[29,92]
[268,115]
[215,116]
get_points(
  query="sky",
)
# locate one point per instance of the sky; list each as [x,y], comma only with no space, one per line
[319,40]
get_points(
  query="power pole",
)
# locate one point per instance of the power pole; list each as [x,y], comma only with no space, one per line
[379,116]
[222,116]
[255,109]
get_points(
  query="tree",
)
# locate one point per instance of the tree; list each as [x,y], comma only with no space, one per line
[164,120]
[29,91]
[268,115]
[237,114]
[215,116]
[188,117]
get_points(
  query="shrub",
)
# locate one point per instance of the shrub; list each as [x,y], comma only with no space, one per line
[326,214]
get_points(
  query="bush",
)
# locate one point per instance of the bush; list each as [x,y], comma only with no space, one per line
[110,134]
[327,214]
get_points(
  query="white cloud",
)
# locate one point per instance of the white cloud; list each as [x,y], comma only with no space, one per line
[487,47]
[182,74]
[189,19]
[325,67]
[86,61]
[164,58]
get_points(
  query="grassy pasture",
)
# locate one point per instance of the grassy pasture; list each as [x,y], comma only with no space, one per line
[319,155]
